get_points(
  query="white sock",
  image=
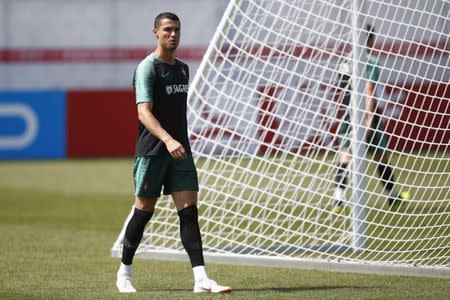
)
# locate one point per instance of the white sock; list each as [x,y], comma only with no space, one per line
[339,194]
[124,269]
[199,273]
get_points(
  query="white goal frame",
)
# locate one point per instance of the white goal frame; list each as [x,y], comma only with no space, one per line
[211,150]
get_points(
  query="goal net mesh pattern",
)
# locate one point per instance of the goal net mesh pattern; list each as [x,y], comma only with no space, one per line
[265,112]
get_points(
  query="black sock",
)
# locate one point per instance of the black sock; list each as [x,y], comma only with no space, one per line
[387,176]
[341,176]
[190,235]
[134,233]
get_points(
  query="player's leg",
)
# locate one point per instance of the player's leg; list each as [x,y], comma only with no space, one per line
[344,160]
[143,212]
[378,146]
[341,181]
[186,204]
[147,190]
[183,186]
[386,174]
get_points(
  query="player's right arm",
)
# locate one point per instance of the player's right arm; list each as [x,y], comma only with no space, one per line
[372,73]
[143,80]
[371,104]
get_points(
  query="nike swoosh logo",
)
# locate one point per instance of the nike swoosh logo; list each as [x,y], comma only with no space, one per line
[164,75]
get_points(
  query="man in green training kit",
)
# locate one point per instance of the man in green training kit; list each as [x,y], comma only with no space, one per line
[163,154]
[375,138]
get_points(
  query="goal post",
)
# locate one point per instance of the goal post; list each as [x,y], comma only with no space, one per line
[266,110]
[357,109]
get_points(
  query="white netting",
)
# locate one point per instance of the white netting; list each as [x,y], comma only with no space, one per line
[264,114]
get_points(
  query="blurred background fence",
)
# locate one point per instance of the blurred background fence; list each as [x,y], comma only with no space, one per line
[66,69]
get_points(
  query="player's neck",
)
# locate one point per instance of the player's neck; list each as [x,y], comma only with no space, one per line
[166,55]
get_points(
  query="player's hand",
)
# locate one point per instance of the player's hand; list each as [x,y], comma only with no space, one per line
[175,149]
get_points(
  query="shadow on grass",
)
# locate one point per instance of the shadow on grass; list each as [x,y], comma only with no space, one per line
[278,289]
[305,288]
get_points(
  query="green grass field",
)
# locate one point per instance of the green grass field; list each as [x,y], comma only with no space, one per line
[59,219]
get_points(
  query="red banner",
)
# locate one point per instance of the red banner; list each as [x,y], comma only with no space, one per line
[101,123]
[104,123]
[424,122]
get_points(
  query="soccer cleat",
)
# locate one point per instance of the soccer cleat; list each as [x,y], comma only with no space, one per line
[339,196]
[338,207]
[405,196]
[395,202]
[124,284]
[210,286]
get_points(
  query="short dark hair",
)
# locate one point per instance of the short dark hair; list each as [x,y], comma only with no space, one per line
[165,15]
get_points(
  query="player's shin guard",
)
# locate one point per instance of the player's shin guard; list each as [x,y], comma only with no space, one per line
[134,233]
[190,235]
[387,176]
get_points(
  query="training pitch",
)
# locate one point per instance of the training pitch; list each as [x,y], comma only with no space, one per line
[59,219]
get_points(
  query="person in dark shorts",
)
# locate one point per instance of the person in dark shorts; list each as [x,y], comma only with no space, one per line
[163,154]
[375,137]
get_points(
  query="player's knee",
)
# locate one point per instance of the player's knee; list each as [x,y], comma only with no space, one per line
[184,199]
[382,156]
[189,222]
[186,204]
[145,203]
[190,212]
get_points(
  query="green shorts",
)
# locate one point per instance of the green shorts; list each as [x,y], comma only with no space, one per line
[376,140]
[153,172]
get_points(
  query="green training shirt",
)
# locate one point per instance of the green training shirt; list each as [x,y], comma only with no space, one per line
[372,69]
[166,86]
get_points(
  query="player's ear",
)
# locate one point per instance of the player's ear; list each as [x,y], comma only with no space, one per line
[155,32]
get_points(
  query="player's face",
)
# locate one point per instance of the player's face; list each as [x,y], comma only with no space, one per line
[168,34]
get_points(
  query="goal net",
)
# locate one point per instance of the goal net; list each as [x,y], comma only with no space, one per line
[267,109]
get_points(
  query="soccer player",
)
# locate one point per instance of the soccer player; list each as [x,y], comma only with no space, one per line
[375,137]
[163,154]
